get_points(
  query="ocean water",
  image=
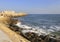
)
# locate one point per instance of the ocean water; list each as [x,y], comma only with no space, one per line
[49,22]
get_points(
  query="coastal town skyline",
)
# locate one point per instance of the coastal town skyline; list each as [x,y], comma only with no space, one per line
[31,6]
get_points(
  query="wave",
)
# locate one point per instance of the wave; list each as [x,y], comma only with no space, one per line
[38,30]
[54,28]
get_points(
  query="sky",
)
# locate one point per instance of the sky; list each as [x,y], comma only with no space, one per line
[31,6]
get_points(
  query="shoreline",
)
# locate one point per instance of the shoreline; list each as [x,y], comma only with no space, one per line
[12,35]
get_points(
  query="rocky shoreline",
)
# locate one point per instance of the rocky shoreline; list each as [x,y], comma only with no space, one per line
[33,37]
[7,24]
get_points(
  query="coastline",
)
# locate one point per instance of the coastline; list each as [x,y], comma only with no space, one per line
[12,35]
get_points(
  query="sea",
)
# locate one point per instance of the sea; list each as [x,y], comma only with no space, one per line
[48,22]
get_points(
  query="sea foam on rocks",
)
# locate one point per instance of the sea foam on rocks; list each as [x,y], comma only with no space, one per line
[37,30]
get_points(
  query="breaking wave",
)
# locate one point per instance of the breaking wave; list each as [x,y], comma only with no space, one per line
[38,30]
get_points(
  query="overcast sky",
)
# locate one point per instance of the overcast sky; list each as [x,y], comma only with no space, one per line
[32,6]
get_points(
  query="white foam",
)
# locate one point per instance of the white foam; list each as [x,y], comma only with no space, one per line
[54,28]
[57,28]
[50,30]
[23,26]
[37,30]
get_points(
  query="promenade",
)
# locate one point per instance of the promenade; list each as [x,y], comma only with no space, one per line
[4,37]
